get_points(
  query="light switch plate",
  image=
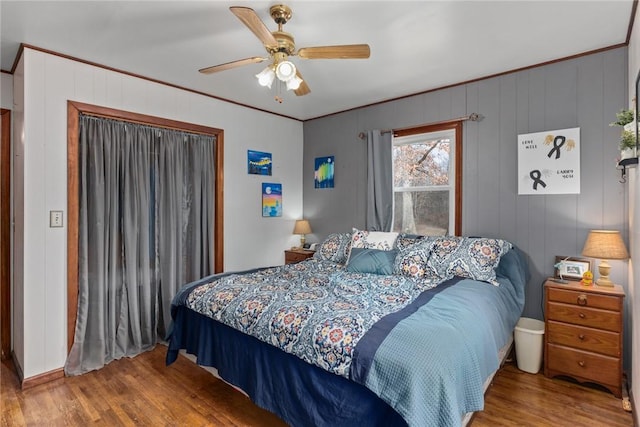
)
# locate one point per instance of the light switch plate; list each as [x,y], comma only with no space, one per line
[55,218]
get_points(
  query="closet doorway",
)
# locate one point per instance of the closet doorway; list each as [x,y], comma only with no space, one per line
[75,110]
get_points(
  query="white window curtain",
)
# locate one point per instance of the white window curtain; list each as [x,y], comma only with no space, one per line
[146,218]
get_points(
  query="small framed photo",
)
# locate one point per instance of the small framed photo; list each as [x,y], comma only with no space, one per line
[571,268]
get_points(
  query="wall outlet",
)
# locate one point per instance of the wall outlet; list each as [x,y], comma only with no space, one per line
[55,218]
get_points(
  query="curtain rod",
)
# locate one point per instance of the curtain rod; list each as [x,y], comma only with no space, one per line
[474,117]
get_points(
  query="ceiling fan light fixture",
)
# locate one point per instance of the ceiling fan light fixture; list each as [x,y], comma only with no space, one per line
[266,77]
[285,70]
[294,83]
[280,46]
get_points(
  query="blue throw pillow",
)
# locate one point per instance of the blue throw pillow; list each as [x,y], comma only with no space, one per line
[373,261]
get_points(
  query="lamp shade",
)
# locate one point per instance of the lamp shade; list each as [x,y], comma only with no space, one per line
[605,244]
[294,83]
[285,70]
[266,76]
[302,227]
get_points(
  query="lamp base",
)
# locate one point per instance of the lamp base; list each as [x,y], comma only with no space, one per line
[604,282]
[604,268]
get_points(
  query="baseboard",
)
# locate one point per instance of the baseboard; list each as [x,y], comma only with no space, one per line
[18,367]
[46,377]
[42,378]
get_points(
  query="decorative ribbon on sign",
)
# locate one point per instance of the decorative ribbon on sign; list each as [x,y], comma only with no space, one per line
[558,142]
[535,176]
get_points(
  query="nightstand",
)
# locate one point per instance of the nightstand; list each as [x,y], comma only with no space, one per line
[583,333]
[292,256]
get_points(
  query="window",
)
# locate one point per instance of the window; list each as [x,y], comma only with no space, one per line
[426,179]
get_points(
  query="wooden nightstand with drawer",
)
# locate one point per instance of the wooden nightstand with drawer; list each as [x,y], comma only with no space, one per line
[583,333]
[296,255]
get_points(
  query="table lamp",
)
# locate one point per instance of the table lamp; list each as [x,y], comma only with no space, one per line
[302,227]
[605,245]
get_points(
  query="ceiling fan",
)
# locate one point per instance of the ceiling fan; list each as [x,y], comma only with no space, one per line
[280,45]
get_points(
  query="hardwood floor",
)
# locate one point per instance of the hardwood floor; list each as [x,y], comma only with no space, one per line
[143,391]
[517,398]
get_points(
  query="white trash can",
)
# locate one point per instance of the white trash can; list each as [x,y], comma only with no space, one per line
[529,336]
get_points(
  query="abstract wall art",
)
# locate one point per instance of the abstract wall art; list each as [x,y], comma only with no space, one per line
[259,163]
[324,172]
[271,199]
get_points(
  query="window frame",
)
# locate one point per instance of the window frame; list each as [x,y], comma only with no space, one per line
[456,126]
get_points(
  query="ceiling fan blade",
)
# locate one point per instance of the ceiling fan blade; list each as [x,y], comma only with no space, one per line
[351,51]
[232,64]
[249,18]
[303,89]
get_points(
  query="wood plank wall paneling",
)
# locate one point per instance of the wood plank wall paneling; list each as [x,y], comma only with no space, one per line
[507,159]
[488,176]
[615,204]
[471,187]
[560,84]
[43,83]
[583,92]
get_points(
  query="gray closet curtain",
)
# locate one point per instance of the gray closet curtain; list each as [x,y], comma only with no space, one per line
[379,181]
[145,229]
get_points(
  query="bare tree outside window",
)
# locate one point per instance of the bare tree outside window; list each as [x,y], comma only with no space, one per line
[423,183]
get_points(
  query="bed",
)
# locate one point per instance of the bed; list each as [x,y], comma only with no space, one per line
[376,329]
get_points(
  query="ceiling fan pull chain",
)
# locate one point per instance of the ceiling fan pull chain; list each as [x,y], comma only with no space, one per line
[278,97]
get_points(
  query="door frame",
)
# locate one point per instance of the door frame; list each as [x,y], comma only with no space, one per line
[74,109]
[5,234]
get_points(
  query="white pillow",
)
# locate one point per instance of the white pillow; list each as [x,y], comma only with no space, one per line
[381,240]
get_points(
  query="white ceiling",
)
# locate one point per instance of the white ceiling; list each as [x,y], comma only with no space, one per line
[415,45]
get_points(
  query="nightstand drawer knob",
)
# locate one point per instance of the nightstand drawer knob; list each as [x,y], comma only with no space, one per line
[582,316]
[582,299]
[581,363]
[582,337]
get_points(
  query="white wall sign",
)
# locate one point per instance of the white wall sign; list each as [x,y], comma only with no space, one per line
[549,162]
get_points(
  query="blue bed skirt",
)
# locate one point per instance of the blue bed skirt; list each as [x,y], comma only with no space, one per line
[299,393]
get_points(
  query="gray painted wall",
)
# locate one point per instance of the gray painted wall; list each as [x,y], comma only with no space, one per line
[585,92]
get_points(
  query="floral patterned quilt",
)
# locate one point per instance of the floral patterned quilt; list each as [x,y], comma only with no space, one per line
[315,309]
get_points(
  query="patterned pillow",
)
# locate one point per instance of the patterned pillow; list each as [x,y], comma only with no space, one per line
[413,261]
[381,240]
[373,261]
[335,248]
[470,257]
[405,240]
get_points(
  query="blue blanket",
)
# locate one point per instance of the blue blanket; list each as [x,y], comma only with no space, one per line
[427,357]
[443,353]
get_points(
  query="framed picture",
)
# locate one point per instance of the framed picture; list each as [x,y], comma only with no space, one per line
[571,268]
[324,172]
[259,162]
[271,199]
